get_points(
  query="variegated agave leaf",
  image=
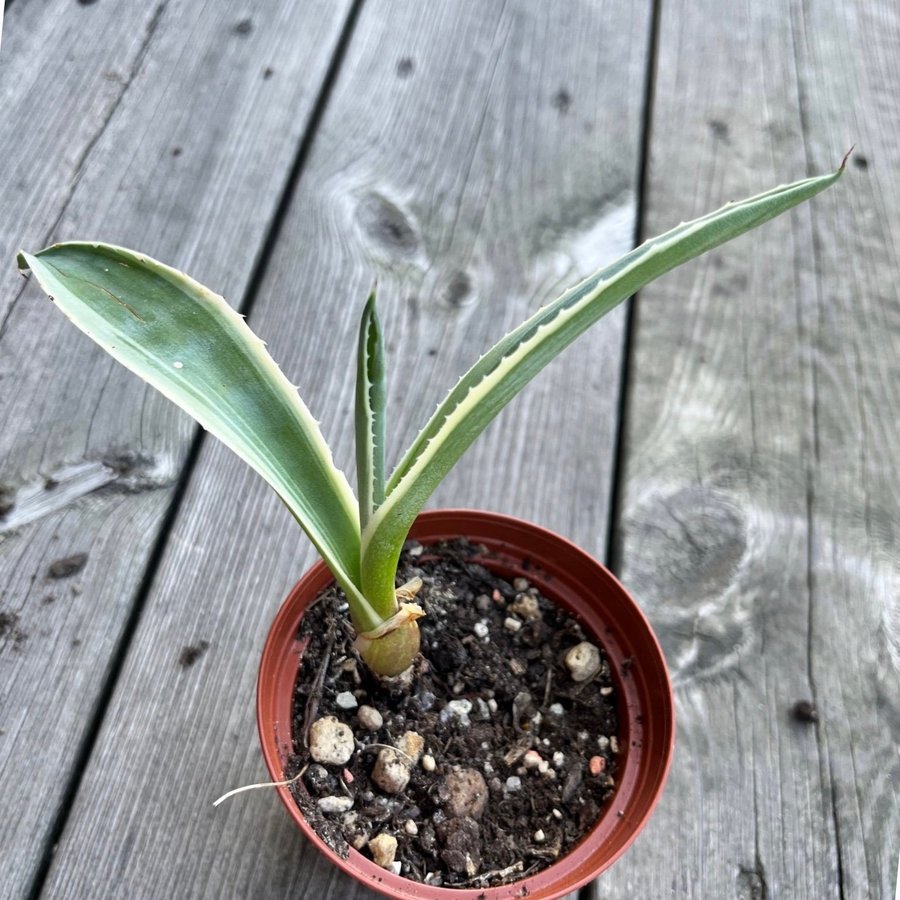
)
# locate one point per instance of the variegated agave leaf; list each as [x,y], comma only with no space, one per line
[505,369]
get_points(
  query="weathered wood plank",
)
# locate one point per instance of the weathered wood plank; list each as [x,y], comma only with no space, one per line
[849,70]
[473,184]
[156,127]
[761,472]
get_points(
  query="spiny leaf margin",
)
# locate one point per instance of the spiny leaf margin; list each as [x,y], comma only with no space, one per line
[371,400]
[189,344]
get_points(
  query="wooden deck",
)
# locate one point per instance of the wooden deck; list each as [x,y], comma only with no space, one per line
[731,444]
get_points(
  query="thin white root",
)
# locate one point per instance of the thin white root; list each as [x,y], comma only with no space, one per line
[253,787]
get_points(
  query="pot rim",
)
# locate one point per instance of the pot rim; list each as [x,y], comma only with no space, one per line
[641,779]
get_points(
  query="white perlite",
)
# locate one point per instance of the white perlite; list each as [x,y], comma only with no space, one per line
[480,629]
[330,741]
[583,661]
[334,804]
[370,718]
[345,700]
[457,709]
[384,849]
[513,784]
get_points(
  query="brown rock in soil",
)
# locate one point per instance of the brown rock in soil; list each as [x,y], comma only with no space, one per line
[466,793]
[460,840]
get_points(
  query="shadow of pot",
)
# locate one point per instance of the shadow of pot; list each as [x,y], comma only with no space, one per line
[579,584]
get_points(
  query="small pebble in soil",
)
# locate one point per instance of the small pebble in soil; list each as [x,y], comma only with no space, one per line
[556,709]
[411,744]
[527,608]
[614,744]
[513,784]
[557,814]
[391,771]
[481,630]
[334,804]
[603,742]
[539,836]
[521,584]
[532,759]
[411,828]
[428,763]
[345,700]
[330,741]
[511,624]
[517,667]
[583,661]
[558,759]
[359,841]
[597,765]
[383,848]
[369,718]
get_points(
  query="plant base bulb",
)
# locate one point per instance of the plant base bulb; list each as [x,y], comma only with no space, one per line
[393,653]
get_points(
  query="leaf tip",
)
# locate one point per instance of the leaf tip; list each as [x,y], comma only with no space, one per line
[843,164]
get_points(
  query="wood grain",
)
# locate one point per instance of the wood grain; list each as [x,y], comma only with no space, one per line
[154,126]
[760,470]
[475,169]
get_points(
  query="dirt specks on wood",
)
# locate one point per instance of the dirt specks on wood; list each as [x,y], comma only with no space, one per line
[562,100]
[7,499]
[190,654]
[10,631]
[805,711]
[68,566]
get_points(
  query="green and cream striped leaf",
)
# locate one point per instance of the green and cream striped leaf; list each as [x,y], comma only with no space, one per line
[371,399]
[194,348]
[505,369]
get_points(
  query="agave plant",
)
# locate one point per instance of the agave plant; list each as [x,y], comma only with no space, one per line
[189,344]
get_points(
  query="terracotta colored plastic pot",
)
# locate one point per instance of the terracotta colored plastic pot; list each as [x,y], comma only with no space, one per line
[579,584]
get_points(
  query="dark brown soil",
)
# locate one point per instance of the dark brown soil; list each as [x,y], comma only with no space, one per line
[483,644]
